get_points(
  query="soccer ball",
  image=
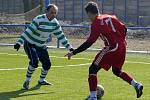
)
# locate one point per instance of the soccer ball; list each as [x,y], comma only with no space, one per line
[100,91]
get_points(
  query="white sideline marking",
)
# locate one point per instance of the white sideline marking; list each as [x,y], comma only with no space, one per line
[50,56]
[54,47]
[77,58]
[2,69]
[146,63]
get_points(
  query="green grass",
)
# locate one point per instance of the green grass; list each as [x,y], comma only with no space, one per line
[70,83]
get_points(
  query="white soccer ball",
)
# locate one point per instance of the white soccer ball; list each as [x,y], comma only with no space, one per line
[100,91]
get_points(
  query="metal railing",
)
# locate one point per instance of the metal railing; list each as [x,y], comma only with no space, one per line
[11,28]
[132,12]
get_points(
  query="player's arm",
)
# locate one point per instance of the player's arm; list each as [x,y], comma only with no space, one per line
[30,30]
[92,38]
[62,38]
[82,47]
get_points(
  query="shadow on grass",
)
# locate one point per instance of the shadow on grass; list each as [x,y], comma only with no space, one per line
[19,93]
[100,99]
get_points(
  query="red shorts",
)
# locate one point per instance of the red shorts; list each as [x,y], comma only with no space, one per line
[111,57]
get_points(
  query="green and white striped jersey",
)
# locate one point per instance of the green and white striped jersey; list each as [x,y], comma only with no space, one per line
[39,30]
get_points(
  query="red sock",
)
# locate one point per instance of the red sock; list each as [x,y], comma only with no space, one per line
[92,82]
[126,77]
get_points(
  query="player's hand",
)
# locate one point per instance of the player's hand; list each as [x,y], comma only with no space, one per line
[17,46]
[71,49]
[69,55]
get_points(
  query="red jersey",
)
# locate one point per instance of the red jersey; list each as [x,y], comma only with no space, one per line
[109,28]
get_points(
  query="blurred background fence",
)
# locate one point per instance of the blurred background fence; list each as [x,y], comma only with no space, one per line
[132,12]
[14,14]
[138,38]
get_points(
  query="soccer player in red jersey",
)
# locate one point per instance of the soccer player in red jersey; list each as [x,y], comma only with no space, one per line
[113,33]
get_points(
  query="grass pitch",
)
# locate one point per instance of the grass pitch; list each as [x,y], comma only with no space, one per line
[69,77]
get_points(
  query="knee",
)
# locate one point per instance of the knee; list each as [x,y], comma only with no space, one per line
[47,65]
[34,63]
[93,69]
[116,71]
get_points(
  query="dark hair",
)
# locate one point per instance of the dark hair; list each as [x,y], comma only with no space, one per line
[92,7]
[50,6]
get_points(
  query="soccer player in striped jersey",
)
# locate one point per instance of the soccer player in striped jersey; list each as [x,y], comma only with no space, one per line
[34,41]
[113,33]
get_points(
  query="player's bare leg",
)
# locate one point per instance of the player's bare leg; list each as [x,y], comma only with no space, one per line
[126,77]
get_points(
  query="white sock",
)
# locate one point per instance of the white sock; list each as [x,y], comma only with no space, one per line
[28,79]
[43,75]
[133,83]
[93,94]
[41,79]
[30,71]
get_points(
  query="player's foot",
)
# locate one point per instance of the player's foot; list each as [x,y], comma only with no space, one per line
[26,85]
[91,98]
[44,83]
[139,87]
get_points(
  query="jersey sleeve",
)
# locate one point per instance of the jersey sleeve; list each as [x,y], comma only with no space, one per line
[91,39]
[94,34]
[119,27]
[61,37]
[30,30]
